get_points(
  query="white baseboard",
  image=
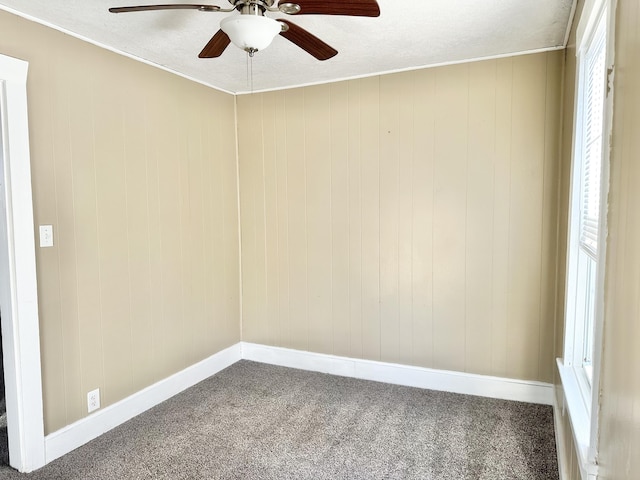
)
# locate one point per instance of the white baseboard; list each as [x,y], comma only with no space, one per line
[443,380]
[77,434]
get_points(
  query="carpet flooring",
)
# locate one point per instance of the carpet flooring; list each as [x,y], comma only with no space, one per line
[256,421]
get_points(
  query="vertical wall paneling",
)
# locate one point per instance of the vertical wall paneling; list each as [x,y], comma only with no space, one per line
[406,160]
[170,198]
[86,238]
[479,214]
[48,283]
[340,238]
[564,169]
[418,216]
[280,140]
[269,127]
[250,169]
[223,220]
[501,214]
[217,231]
[356,319]
[525,219]
[297,214]
[137,222]
[155,245]
[212,293]
[388,137]
[135,168]
[63,184]
[112,235]
[449,217]
[317,116]
[423,146]
[257,194]
[188,231]
[195,242]
[370,215]
[550,213]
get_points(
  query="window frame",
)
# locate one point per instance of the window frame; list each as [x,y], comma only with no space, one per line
[581,393]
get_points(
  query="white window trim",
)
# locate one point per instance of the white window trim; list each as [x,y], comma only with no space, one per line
[581,397]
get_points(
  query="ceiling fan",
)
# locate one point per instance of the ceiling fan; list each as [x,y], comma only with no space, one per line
[252,30]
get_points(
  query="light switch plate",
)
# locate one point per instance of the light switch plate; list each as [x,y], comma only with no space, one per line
[46,236]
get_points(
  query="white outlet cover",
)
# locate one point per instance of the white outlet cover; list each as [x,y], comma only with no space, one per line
[93,400]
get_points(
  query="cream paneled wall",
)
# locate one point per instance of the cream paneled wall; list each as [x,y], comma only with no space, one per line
[407,218]
[135,168]
[620,380]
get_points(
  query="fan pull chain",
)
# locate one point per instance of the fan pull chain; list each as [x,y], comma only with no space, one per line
[250,71]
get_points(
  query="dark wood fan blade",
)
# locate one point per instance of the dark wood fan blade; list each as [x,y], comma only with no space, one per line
[354,8]
[216,45]
[308,42]
[170,6]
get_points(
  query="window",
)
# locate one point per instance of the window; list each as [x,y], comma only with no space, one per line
[588,160]
[587,215]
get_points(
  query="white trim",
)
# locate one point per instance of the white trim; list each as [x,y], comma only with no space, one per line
[375,74]
[77,434]
[577,409]
[591,14]
[561,451]
[443,380]
[18,288]
[582,403]
[572,15]
[594,440]
[579,418]
[109,48]
[407,69]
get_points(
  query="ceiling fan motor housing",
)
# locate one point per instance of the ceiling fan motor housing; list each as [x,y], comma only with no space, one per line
[252,7]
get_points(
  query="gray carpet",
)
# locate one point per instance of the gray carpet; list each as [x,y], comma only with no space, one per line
[255,421]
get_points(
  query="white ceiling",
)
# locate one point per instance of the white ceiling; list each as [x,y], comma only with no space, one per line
[408,34]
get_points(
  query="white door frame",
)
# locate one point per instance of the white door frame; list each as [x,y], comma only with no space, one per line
[18,286]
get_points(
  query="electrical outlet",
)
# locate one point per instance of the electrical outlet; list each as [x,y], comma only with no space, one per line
[93,400]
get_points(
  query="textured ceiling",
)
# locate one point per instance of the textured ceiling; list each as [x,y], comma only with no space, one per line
[407,35]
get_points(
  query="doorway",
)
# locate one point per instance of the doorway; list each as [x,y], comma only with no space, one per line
[4,437]
[18,288]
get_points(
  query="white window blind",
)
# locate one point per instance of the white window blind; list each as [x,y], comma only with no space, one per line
[594,96]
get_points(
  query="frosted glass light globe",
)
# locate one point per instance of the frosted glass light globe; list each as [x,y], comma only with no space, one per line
[250,32]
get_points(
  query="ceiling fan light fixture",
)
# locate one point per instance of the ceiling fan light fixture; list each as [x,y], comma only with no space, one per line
[250,32]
